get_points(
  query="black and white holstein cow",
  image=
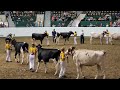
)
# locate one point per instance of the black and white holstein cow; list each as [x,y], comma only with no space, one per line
[8,37]
[47,54]
[65,35]
[38,36]
[20,48]
[84,57]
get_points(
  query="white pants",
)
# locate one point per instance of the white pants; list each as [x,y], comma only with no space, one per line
[62,69]
[75,42]
[107,39]
[31,61]
[8,52]
[57,40]
[47,41]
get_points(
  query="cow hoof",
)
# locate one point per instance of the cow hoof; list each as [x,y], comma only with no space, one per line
[18,61]
[55,74]
[36,71]
[83,77]
[77,78]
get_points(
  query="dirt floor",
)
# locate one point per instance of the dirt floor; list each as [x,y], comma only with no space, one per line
[13,70]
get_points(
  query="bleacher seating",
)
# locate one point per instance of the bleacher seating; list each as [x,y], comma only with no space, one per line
[99,18]
[25,18]
[62,18]
[3,20]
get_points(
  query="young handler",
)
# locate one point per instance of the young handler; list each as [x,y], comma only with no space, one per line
[8,51]
[62,64]
[32,51]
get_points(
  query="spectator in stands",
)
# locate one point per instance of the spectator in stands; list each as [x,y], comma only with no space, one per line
[41,24]
[53,18]
[7,15]
[63,24]
[53,25]
[36,24]
[82,37]
[59,25]
[110,23]
[107,25]
[54,36]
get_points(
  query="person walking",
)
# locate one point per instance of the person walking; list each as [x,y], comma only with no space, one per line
[54,36]
[82,37]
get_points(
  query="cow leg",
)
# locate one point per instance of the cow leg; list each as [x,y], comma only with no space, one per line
[101,41]
[15,56]
[41,41]
[98,70]
[19,58]
[110,40]
[90,40]
[22,53]
[57,40]
[81,72]
[22,58]
[67,59]
[37,67]
[45,67]
[103,70]
[64,41]
[57,67]
[27,58]
[78,70]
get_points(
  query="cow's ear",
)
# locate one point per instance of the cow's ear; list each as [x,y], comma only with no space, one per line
[73,48]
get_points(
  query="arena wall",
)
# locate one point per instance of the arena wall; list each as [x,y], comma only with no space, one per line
[27,31]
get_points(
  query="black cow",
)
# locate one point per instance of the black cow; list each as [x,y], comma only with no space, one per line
[65,35]
[47,54]
[9,37]
[38,36]
[20,47]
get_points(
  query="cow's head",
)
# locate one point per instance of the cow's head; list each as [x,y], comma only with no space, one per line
[58,34]
[25,47]
[38,46]
[13,42]
[104,52]
[45,34]
[70,51]
[71,32]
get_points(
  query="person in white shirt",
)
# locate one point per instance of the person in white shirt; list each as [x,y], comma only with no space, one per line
[82,37]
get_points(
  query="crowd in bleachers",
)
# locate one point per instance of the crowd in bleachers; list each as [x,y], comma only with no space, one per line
[62,18]
[26,18]
[102,18]
[3,22]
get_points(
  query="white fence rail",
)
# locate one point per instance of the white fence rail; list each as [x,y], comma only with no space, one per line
[27,31]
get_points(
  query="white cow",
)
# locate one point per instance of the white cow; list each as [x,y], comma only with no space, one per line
[115,36]
[100,36]
[96,36]
[86,57]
